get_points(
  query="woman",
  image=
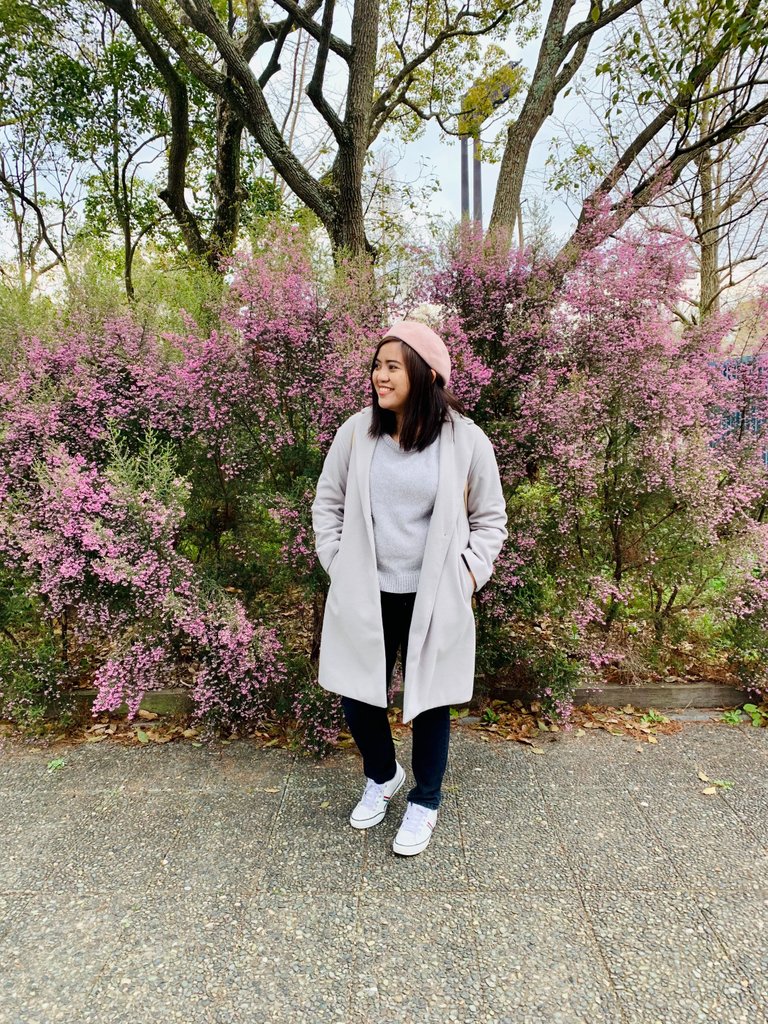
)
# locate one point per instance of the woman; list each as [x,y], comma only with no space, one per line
[409,516]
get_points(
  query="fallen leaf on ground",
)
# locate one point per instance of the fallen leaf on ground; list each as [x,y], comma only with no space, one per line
[148,716]
[703,777]
[709,790]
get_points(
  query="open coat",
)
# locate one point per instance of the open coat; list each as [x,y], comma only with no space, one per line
[467,530]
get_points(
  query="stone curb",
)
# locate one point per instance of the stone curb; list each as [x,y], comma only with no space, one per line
[665,696]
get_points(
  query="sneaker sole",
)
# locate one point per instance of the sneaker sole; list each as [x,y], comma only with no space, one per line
[410,851]
[370,822]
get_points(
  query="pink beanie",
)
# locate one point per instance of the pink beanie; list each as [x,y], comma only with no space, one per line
[423,340]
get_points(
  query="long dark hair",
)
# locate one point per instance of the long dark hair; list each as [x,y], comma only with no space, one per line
[429,403]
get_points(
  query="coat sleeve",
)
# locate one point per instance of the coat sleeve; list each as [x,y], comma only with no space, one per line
[486,511]
[328,506]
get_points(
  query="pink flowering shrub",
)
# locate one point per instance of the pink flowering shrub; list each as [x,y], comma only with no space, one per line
[634,504]
[98,549]
[135,564]
[155,492]
[319,716]
[65,390]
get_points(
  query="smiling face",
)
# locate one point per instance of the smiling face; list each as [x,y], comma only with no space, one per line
[390,378]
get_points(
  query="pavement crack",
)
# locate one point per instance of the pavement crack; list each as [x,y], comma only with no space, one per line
[603,959]
[281,804]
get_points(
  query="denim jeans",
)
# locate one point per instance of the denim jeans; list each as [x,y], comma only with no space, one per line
[369,725]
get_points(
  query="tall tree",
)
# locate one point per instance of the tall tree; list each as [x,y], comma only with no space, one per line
[692,40]
[384,78]
[37,192]
[719,198]
[562,51]
[691,106]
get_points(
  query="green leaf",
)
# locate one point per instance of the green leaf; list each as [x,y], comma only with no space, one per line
[141,736]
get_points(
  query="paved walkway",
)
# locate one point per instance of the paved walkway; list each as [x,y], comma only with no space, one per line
[592,883]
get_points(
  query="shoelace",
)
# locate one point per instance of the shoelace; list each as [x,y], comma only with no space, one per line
[373,791]
[414,818]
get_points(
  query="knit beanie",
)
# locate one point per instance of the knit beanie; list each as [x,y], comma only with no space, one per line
[423,340]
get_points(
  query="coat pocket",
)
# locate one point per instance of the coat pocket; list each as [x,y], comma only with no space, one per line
[468,587]
[332,563]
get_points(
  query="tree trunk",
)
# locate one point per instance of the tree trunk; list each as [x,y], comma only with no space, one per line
[708,230]
[347,230]
[520,138]
[227,189]
[553,72]
[128,262]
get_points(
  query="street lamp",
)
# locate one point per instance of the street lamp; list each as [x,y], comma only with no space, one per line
[476,106]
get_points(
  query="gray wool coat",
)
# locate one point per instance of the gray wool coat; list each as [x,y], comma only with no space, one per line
[467,529]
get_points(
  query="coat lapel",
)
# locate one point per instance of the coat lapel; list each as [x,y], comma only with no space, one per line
[441,528]
[449,493]
[363,453]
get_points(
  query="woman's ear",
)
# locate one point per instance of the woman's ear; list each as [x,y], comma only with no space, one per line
[434,375]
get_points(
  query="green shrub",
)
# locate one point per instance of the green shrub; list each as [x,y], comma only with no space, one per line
[33,685]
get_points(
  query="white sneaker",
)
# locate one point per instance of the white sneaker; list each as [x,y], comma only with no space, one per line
[375,800]
[415,830]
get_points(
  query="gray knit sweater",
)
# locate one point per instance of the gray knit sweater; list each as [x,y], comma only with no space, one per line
[403,491]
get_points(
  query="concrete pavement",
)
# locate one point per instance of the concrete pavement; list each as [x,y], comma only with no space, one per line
[592,883]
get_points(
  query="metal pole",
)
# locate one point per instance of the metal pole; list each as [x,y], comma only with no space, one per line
[464,179]
[497,88]
[477,190]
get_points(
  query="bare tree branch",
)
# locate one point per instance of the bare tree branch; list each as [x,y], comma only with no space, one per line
[315,86]
[663,176]
[303,17]
[20,193]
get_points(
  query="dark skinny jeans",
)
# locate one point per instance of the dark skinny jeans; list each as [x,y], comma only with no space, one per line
[369,725]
